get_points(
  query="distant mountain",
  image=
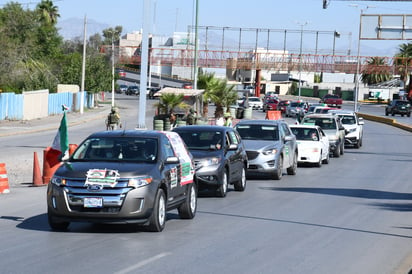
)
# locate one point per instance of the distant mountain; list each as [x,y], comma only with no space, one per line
[74,27]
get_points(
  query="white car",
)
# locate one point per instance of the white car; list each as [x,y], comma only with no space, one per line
[353,126]
[313,144]
[255,103]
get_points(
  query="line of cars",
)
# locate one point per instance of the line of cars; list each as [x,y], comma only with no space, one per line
[136,176]
[135,90]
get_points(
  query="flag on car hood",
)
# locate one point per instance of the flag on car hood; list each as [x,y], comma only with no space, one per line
[61,140]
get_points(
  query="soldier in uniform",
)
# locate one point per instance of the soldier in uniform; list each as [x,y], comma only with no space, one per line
[113,119]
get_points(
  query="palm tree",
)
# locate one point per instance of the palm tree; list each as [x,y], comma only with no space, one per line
[223,96]
[376,71]
[209,83]
[402,62]
[169,102]
[48,12]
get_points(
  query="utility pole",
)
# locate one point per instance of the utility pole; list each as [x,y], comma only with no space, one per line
[83,67]
[196,45]
[144,64]
[300,57]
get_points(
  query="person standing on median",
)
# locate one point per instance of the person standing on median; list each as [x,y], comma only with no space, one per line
[228,120]
[191,119]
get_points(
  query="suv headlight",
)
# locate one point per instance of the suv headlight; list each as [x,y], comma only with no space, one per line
[58,181]
[210,161]
[270,151]
[139,181]
[351,130]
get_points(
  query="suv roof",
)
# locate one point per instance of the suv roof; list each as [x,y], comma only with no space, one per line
[397,101]
[261,122]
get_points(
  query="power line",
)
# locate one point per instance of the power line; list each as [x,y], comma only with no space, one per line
[325,3]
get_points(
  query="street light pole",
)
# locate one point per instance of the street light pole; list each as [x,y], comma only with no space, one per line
[112,70]
[195,72]
[300,58]
[355,105]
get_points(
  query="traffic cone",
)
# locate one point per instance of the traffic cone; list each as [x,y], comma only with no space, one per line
[4,181]
[51,163]
[37,179]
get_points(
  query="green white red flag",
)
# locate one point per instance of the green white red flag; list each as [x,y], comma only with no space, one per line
[61,140]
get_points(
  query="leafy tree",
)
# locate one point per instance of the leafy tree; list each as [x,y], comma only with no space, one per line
[112,35]
[376,71]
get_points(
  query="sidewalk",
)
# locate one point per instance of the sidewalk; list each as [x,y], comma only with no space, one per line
[9,128]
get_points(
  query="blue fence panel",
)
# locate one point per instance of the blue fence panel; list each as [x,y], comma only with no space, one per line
[11,106]
[88,100]
[56,100]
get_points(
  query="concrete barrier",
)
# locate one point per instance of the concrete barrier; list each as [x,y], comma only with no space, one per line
[384,120]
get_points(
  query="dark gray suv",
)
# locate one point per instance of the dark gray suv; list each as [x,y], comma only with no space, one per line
[219,155]
[401,107]
[124,177]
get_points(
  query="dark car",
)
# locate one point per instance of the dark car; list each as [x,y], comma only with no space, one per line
[132,90]
[131,176]
[283,105]
[122,89]
[219,155]
[152,92]
[401,107]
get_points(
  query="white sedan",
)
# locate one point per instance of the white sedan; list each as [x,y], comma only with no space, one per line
[255,103]
[313,144]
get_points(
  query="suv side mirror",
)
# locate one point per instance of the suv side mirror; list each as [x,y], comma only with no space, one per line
[288,138]
[232,147]
[172,160]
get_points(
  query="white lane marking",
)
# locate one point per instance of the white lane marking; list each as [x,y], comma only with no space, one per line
[142,263]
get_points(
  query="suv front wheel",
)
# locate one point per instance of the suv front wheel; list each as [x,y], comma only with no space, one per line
[293,168]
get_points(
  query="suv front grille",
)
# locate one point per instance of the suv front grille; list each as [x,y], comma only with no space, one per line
[251,155]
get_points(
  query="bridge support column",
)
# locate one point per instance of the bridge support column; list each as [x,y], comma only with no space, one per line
[257,83]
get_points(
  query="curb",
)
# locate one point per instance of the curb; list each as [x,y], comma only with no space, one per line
[384,120]
[99,114]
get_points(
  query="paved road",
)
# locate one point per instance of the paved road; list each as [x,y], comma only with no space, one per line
[351,216]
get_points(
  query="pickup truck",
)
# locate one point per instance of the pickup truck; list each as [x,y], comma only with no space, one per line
[332,100]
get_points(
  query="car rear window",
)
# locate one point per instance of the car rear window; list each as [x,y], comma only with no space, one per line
[306,134]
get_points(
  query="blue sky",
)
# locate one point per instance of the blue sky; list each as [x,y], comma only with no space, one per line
[177,15]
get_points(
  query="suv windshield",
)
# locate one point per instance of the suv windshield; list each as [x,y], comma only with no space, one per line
[402,103]
[258,132]
[117,149]
[347,119]
[204,140]
[324,123]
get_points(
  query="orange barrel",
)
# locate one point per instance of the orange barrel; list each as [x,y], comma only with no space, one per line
[273,115]
[4,181]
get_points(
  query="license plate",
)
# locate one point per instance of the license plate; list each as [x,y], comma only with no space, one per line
[93,202]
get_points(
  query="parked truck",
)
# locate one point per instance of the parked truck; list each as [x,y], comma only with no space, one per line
[332,100]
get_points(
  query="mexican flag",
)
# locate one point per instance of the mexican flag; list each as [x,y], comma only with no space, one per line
[61,140]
